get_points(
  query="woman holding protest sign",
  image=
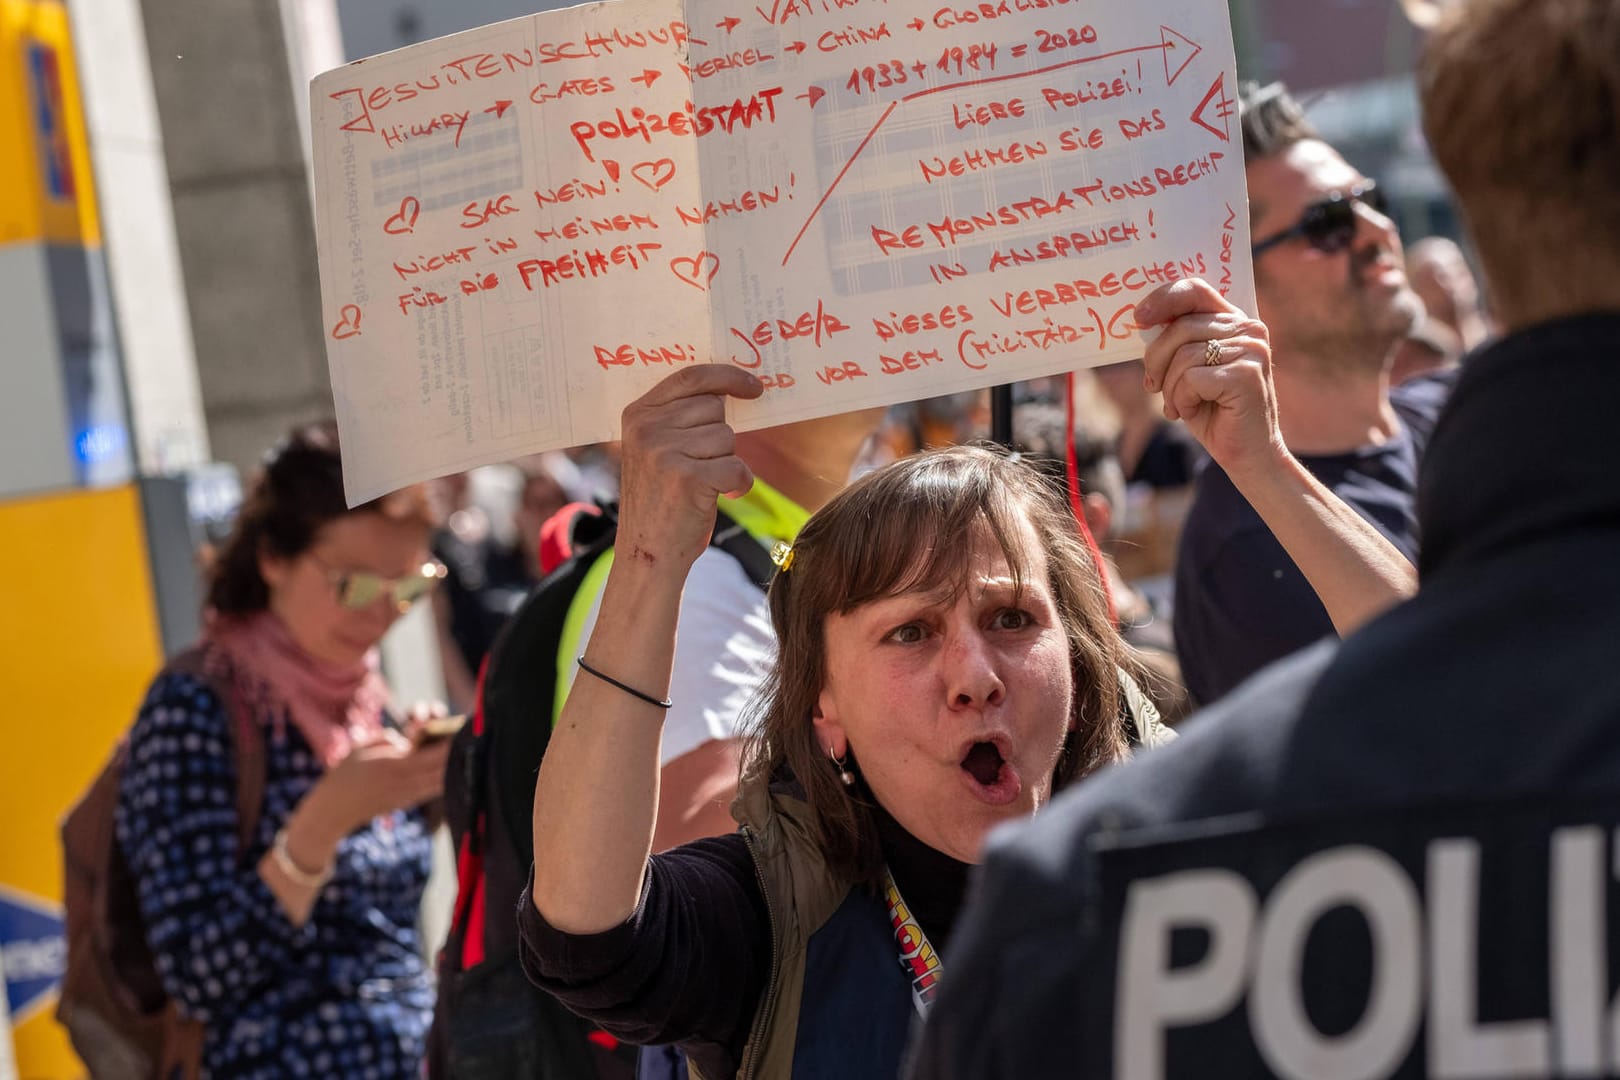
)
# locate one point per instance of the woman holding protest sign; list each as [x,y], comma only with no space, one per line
[946,663]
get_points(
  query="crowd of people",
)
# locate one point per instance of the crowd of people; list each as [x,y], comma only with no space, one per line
[1304,685]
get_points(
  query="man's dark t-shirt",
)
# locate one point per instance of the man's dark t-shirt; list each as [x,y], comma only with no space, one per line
[1241,603]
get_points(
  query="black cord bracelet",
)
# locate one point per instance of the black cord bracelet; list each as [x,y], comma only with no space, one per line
[611,681]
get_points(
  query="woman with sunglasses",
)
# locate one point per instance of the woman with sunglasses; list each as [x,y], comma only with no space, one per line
[299,951]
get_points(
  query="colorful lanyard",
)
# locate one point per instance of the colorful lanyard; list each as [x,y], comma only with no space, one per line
[918,959]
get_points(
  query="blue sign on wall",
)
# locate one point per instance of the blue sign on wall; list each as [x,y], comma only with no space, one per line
[33,951]
[50,112]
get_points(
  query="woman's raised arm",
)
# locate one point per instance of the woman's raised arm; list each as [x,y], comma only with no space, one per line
[1213,364]
[596,798]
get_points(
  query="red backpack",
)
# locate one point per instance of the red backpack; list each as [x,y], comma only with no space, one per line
[121,1021]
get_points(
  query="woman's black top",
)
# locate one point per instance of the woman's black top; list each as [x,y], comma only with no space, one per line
[694,957]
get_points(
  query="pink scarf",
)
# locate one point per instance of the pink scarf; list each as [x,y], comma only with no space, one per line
[334,707]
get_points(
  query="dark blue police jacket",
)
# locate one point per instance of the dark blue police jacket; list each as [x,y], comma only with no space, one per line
[1393,858]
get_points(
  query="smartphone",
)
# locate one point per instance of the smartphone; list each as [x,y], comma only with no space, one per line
[438,729]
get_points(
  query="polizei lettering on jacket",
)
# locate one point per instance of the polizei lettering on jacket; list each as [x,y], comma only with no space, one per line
[1483,955]
[638,123]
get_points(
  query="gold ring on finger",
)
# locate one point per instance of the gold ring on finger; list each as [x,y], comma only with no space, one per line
[1212,354]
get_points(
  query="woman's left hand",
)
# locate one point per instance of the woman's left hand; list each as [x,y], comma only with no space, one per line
[1213,364]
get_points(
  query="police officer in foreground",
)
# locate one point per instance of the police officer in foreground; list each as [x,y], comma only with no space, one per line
[1396,856]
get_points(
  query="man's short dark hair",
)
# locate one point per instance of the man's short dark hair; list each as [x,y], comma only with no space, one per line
[1271,119]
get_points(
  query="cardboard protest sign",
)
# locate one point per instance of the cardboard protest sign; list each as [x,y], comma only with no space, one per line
[523,227]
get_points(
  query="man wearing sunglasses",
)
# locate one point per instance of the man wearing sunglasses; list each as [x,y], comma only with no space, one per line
[1331,284]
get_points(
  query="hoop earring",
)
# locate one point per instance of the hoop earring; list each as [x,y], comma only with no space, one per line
[843,768]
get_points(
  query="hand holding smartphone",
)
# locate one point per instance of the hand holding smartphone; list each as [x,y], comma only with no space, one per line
[436,729]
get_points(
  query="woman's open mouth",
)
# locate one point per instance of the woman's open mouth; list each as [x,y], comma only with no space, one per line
[989,775]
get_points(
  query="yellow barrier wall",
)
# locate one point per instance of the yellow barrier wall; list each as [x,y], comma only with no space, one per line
[79,637]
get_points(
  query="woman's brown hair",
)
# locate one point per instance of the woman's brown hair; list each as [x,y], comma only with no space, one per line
[911,526]
[297,493]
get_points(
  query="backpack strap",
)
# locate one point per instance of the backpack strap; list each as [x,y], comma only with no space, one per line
[247,740]
[466,795]
[740,544]
[211,665]
[520,685]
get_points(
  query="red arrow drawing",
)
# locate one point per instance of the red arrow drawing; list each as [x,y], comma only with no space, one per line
[1224,109]
[1171,48]
[647,77]
[814,95]
[1165,45]
[499,108]
[729,23]
[796,47]
[916,24]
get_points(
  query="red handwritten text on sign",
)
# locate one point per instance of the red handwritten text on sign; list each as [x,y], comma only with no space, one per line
[859,202]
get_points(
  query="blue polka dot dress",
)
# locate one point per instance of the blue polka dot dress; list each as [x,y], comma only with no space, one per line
[346,994]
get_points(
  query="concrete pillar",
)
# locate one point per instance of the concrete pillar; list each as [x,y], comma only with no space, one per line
[314,45]
[226,91]
[142,255]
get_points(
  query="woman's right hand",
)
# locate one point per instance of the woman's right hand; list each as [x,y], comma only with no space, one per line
[377,777]
[679,456]
[597,791]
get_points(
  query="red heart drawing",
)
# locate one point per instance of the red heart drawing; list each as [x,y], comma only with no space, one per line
[349,325]
[697,272]
[655,174]
[404,221]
